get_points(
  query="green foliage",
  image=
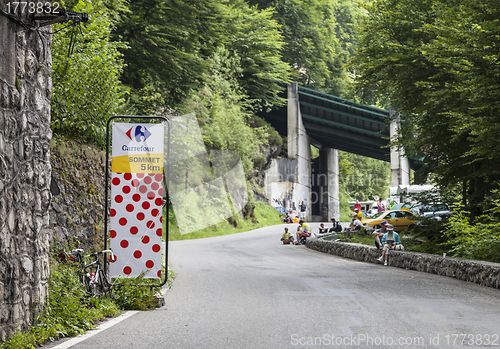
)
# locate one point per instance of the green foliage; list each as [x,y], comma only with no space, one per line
[479,239]
[259,161]
[361,237]
[68,311]
[429,237]
[347,14]
[85,74]
[437,63]
[362,178]
[65,313]
[222,111]
[220,60]
[254,36]
[168,43]
[261,215]
[462,235]
[311,34]
[135,293]
[172,46]
[314,152]
[273,137]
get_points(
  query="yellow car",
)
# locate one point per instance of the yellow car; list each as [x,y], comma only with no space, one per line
[400,219]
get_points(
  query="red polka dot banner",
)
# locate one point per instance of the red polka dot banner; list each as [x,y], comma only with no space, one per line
[136,228]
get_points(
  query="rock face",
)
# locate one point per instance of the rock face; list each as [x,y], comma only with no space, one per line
[479,272]
[25,171]
[77,207]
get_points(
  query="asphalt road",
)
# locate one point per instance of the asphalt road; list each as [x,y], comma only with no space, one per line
[248,290]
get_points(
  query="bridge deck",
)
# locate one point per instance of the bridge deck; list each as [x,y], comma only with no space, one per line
[338,123]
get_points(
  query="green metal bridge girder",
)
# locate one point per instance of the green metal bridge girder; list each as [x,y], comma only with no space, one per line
[338,123]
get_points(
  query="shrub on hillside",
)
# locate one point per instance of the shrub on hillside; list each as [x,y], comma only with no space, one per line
[479,239]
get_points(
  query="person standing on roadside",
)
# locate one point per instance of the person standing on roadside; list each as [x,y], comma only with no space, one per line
[357,205]
[302,208]
[380,206]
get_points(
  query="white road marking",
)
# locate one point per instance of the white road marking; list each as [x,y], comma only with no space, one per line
[70,342]
[104,326]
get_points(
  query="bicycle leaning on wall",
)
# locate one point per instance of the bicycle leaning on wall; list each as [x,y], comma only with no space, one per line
[96,282]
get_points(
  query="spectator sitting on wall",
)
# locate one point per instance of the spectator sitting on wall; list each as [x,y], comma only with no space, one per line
[303,231]
[389,241]
[295,220]
[379,233]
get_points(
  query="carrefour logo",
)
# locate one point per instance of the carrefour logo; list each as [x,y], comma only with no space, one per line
[138,133]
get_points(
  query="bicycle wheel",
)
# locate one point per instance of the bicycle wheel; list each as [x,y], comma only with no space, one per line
[103,284]
[95,291]
[89,285]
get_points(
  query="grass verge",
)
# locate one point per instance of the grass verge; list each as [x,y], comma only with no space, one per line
[361,238]
[68,311]
[263,215]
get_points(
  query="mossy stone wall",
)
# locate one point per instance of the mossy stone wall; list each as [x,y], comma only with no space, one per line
[479,272]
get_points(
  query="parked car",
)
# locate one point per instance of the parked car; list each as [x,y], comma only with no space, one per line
[371,212]
[400,219]
[408,206]
[435,211]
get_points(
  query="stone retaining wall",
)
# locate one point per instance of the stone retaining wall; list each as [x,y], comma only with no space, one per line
[479,272]
[25,92]
[77,206]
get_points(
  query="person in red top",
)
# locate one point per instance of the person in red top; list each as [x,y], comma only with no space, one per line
[357,205]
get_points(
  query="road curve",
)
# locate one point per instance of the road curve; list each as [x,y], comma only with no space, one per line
[247,290]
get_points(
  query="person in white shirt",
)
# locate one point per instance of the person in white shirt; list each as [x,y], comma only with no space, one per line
[356,225]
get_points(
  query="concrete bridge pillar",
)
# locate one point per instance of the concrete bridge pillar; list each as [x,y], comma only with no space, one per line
[400,165]
[325,185]
[290,181]
[333,184]
[299,149]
